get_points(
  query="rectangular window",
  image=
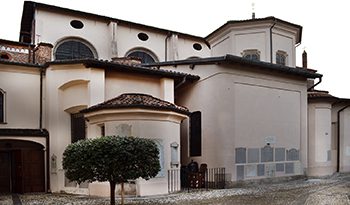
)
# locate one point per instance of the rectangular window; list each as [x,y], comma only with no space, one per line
[195,134]
[77,127]
[2,107]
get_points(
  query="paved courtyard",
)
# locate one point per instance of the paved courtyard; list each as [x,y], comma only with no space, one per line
[332,190]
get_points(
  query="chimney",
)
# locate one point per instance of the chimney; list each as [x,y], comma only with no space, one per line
[42,53]
[304,59]
[131,60]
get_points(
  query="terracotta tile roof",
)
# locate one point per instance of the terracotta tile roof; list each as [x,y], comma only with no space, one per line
[115,66]
[137,100]
[320,95]
[24,132]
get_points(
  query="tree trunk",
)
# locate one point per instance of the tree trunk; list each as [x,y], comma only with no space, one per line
[122,192]
[112,187]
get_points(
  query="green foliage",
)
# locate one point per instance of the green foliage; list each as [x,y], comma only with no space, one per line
[111,158]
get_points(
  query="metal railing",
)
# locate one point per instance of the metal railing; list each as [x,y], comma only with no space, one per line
[181,180]
[174,181]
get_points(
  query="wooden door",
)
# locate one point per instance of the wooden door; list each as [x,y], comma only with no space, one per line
[33,171]
[5,172]
[17,172]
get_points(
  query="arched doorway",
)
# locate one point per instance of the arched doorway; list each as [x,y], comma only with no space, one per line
[22,167]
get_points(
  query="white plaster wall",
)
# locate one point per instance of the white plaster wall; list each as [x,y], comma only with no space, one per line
[237,39]
[253,39]
[345,140]
[53,27]
[241,108]
[22,96]
[186,50]
[320,137]
[281,41]
[120,83]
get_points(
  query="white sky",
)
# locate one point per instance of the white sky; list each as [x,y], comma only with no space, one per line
[325,24]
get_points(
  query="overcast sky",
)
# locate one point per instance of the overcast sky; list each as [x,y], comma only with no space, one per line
[325,24]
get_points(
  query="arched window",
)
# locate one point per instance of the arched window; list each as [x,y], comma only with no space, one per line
[281,58]
[2,106]
[73,49]
[144,56]
[251,54]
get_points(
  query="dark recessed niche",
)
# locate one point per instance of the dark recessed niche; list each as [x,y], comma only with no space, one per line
[4,56]
[77,24]
[142,36]
[197,46]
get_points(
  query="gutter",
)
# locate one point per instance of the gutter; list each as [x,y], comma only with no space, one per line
[338,136]
[312,87]
[271,53]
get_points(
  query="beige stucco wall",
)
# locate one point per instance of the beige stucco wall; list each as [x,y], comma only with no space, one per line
[119,83]
[21,85]
[68,90]
[109,39]
[163,127]
[322,157]
[242,108]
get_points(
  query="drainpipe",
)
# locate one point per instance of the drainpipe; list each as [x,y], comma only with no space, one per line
[41,99]
[338,136]
[166,46]
[271,53]
[312,87]
[48,189]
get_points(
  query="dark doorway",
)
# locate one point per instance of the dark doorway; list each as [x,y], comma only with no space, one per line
[23,165]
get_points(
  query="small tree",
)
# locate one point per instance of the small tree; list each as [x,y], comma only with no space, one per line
[112,158]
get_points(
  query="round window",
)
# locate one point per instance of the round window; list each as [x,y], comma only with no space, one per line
[77,24]
[197,46]
[142,36]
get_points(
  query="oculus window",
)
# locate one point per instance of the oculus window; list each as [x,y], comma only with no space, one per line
[73,49]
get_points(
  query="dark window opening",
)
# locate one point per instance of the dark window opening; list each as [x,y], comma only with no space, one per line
[4,56]
[197,46]
[2,109]
[103,132]
[196,134]
[77,127]
[280,59]
[143,56]
[77,24]
[143,36]
[254,57]
[73,50]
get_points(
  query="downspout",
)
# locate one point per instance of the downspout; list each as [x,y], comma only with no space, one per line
[48,189]
[271,53]
[338,136]
[166,46]
[312,87]
[41,99]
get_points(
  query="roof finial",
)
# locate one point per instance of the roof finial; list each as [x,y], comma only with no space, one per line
[253,10]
